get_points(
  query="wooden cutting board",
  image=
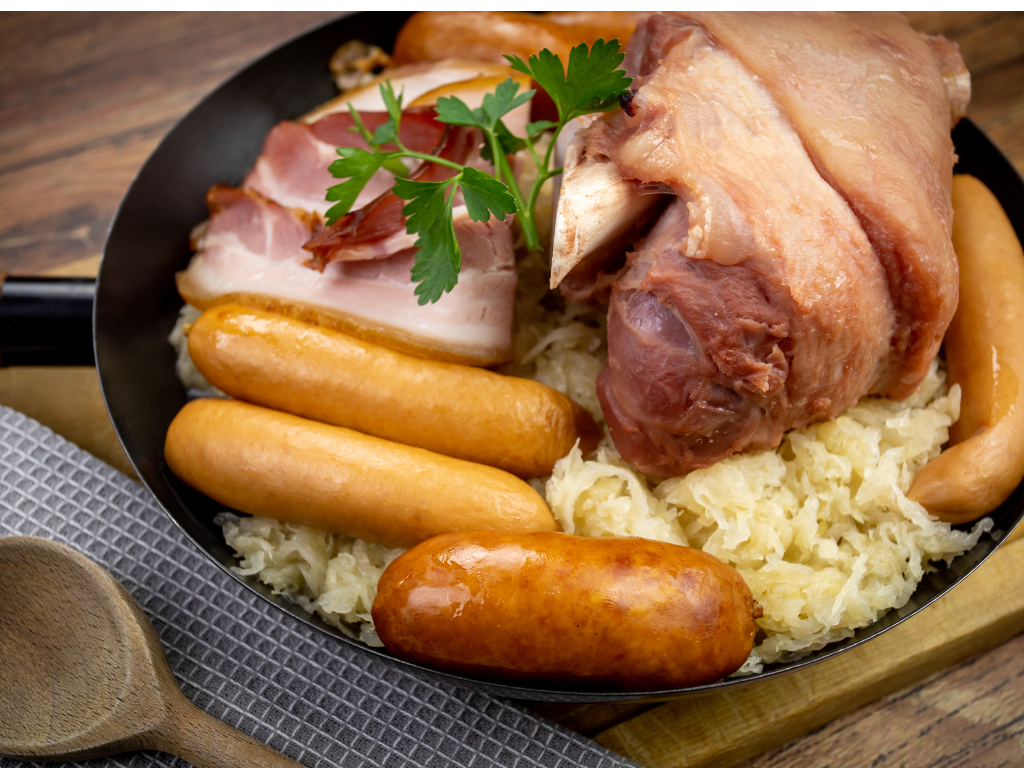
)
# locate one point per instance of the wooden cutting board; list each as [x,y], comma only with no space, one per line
[720,730]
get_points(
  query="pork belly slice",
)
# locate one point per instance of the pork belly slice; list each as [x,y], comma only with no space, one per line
[250,251]
[756,303]
[292,168]
[412,81]
[873,102]
[472,93]
[377,230]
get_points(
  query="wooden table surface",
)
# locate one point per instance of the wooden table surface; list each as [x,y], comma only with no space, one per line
[84,99]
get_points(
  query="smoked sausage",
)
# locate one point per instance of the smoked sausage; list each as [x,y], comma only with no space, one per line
[483,35]
[273,464]
[514,424]
[985,356]
[620,613]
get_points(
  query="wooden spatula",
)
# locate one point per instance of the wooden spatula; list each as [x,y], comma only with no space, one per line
[84,675]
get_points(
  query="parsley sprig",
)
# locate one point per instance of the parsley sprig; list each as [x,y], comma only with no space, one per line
[592,83]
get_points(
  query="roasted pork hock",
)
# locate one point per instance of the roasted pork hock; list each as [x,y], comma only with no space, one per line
[802,254]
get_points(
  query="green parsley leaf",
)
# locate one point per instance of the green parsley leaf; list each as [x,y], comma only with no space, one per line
[438,259]
[359,165]
[592,83]
[485,195]
[386,133]
[393,164]
[454,111]
[429,214]
[392,103]
[498,104]
[360,126]
[426,201]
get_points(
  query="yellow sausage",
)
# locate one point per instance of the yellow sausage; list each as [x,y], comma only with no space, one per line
[985,356]
[277,465]
[515,424]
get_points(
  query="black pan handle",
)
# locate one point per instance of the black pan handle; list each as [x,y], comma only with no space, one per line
[46,320]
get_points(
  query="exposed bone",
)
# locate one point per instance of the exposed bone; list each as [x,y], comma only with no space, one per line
[598,211]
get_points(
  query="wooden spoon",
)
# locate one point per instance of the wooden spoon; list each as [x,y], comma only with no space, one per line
[84,675]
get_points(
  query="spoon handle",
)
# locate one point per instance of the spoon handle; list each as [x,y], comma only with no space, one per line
[206,742]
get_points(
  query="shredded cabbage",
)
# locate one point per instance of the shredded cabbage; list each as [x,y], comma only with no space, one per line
[186,370]
[328,574]
[820,528]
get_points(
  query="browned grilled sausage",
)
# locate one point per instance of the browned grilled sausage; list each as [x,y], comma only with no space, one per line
[619,613]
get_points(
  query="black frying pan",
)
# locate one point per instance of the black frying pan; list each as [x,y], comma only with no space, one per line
[136,306]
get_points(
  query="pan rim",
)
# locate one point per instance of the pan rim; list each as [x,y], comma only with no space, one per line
[540,691]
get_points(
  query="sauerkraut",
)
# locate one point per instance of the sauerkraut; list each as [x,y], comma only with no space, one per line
[820,528]
[328,574]
[186,370]
[554,342]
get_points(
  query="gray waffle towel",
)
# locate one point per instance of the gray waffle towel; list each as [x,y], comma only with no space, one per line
[242,660]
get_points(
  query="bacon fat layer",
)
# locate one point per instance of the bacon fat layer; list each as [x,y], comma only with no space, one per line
[251,252]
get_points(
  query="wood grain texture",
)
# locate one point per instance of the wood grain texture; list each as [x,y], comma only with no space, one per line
[84,674]
[589,719]
[84,98]
[68,401]
[988,39]
[963,717]
[998,107]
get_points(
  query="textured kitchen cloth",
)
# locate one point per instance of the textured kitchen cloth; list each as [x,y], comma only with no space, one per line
[242,660]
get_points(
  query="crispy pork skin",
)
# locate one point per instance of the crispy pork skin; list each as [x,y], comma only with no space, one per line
[806,259]
[250,252]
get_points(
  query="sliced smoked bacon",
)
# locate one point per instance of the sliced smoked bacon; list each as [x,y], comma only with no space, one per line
[292,168]
[250,252]
[804,260]
[377,230]
[357,276]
